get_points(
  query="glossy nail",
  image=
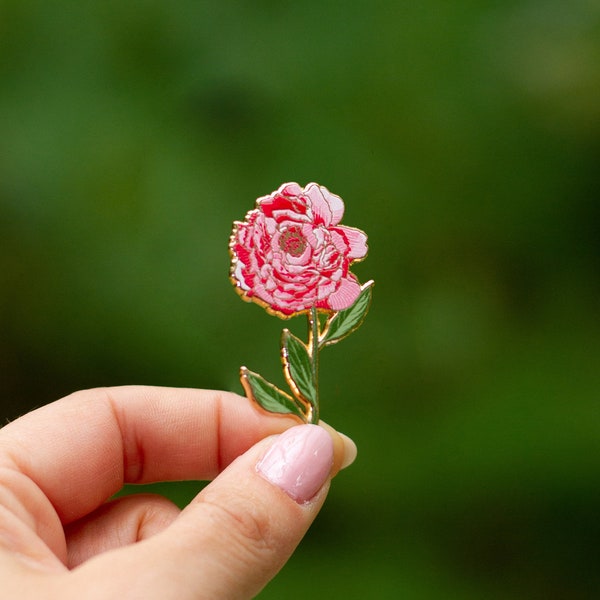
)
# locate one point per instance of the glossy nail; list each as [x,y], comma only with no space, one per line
[299,461]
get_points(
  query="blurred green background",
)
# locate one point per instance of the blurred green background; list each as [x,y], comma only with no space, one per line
[464,138]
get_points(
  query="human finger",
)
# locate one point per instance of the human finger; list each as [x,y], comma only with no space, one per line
[80,450]
[237,534]
[121,522]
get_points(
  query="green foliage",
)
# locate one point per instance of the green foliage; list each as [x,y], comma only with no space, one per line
[344,322]
[297,365]
[269,396]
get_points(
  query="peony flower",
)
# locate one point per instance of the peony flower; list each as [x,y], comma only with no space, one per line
[291,254]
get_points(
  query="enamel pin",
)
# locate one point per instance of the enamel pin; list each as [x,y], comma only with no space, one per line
[291,256]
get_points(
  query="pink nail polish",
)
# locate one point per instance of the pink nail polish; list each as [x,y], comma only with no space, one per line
[299,461]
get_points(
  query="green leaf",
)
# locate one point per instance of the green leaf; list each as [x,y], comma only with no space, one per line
[268,396]
[344,322]
[297,366]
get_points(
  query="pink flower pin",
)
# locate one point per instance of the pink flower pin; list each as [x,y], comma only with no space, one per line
[291,256]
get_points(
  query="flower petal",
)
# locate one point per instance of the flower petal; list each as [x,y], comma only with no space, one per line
[345,296]
[357,241]
[327,208]
[290,253]
[339,240]
[321,213]
[336,205]
[290,189]
[284,204]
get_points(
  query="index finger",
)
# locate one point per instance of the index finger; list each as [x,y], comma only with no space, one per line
[81,450]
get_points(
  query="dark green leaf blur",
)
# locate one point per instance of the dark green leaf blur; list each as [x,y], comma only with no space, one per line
[464,138]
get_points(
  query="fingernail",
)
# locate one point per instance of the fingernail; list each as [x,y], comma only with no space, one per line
[344,449]
[350,451]
[299,461]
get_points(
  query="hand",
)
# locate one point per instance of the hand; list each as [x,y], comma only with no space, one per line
[61,538]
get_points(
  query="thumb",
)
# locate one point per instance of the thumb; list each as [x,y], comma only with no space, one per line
[240,530]
[256,513]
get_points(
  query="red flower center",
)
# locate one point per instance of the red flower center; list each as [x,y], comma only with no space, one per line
[292,241]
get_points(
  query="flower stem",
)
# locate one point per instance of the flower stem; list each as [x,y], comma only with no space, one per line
[313,349]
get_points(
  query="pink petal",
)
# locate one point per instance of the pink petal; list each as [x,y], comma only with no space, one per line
[345,296]
[338,239]
[321,213]
[327,207]
[282,205]
[272,206]
[357,241]
[336,205]
[290,189]
[325,290]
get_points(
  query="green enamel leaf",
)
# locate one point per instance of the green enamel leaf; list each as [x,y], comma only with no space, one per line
[268,396]
[344,322]
[297,366]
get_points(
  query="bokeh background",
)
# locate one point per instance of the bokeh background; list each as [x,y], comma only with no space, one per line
[464,138]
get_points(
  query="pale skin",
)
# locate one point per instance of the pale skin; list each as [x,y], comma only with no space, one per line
[61,537]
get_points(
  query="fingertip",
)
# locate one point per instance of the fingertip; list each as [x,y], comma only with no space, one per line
[299,461]
[350,450]
[344,449]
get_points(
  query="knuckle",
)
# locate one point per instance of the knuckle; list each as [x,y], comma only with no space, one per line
[241,525]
